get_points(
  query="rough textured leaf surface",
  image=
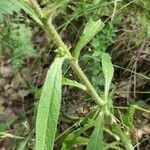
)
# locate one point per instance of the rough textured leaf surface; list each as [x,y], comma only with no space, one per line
[108,71]
[96,139]
[124,137]
[49,106]
[129,116]
[90,30]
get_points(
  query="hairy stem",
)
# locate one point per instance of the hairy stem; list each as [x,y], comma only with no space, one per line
[74,65]
[37,7]
[49,27]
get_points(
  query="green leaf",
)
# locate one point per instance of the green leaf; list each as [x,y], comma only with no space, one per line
[26,6]
[8,7]
[66,81]
[108,71]
[81,141]
[112,134]
[124,138]
[129,116]
[21,45]
[86,120]
[23,144]
[71,138]
[96,139]
[113,145]
[90,30]
[6,125]
[49,106]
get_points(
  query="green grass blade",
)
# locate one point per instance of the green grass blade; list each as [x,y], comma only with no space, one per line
[90,30]
[108,71]
[23,144]
[49,106]
[66,81]
[96,139]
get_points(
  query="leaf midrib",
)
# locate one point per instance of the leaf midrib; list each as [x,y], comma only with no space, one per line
[51,101]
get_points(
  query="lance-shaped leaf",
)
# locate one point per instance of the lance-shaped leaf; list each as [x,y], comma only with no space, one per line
[49,106]
[90,30]
[108,71]
[66,81]
[96,139]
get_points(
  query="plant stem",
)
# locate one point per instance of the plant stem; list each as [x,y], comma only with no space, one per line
[49,27]
[75,66]
[37,8]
